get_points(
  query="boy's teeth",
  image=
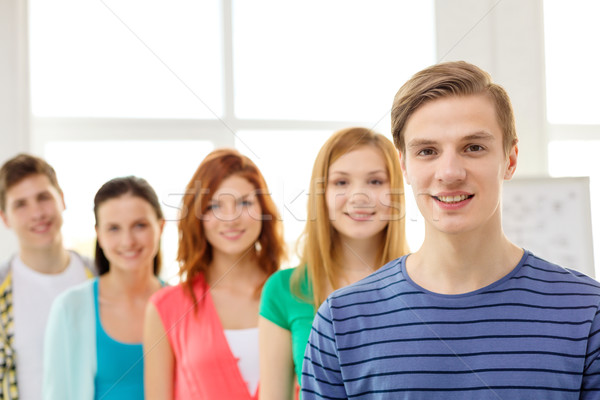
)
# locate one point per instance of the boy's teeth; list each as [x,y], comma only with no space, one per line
[453,199]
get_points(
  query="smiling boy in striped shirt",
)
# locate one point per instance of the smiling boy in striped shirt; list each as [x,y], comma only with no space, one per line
[470,315]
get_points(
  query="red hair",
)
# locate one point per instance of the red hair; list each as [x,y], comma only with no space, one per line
[195,252]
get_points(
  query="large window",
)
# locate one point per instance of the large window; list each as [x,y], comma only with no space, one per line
[326,60]
[571,35]
[126,59]
[148,88]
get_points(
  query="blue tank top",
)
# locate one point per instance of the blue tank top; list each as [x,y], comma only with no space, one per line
[120,373]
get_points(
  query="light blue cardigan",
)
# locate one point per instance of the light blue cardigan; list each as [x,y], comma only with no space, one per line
[70,346]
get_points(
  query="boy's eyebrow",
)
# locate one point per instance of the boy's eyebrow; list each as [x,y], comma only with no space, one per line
[480,135]
[44,193]
[420,142]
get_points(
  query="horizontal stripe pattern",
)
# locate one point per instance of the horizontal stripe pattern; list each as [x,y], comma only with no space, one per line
[533,334]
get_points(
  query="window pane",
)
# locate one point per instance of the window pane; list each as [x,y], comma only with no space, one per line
[286,160]
[82,167]
[572,33]
[127,58]
[327,60]
[580,158]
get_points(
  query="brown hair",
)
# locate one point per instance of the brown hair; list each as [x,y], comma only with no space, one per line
[195,252]
[457,78]
[20,167]
[319,257]
[117,187]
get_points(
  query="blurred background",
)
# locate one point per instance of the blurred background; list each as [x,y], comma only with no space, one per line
[105,88]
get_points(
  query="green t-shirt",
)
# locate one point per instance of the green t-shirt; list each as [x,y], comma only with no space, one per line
[281,307]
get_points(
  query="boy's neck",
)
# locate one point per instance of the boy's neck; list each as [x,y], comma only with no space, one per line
[455,264]
[51,260]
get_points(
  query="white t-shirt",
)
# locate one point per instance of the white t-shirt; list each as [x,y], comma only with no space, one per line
[33,294]
[244,346]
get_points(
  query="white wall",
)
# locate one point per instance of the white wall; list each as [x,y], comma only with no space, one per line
[506,39]
[14,93]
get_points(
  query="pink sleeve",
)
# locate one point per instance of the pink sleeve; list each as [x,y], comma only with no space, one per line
[170,302]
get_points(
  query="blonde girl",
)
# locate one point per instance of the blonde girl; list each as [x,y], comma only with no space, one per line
[355,225]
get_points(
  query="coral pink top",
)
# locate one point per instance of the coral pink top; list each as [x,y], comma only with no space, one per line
[205,367]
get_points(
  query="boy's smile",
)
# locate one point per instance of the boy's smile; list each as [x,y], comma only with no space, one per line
[455,162]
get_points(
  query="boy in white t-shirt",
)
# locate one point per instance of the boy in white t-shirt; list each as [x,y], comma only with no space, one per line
[31,204]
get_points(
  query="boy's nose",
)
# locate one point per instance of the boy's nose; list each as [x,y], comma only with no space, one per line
[450,169]
[37,211]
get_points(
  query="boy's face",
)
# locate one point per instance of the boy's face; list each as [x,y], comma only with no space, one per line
[455,163]
[34,211]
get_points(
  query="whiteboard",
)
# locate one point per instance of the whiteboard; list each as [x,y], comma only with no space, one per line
[552,218]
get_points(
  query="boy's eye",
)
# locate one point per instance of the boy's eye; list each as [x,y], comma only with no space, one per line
[113,228]
[425,152]
[45,196]
[474,147]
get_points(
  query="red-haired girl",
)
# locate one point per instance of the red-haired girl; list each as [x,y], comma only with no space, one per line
[201,337]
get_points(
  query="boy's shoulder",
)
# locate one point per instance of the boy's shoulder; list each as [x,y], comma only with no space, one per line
[534,274]
[539,271]
[86,262]
[5,274]
[4,269]
[369,287]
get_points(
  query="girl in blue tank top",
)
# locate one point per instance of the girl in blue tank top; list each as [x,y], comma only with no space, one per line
[93,344]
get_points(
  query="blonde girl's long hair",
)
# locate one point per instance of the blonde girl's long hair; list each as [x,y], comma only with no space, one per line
[319,241]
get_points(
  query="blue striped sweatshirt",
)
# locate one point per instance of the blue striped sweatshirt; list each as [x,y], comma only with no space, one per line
[534,334]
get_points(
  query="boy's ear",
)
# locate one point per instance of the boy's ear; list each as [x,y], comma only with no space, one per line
[511,162]
[4,219]
[403,167]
